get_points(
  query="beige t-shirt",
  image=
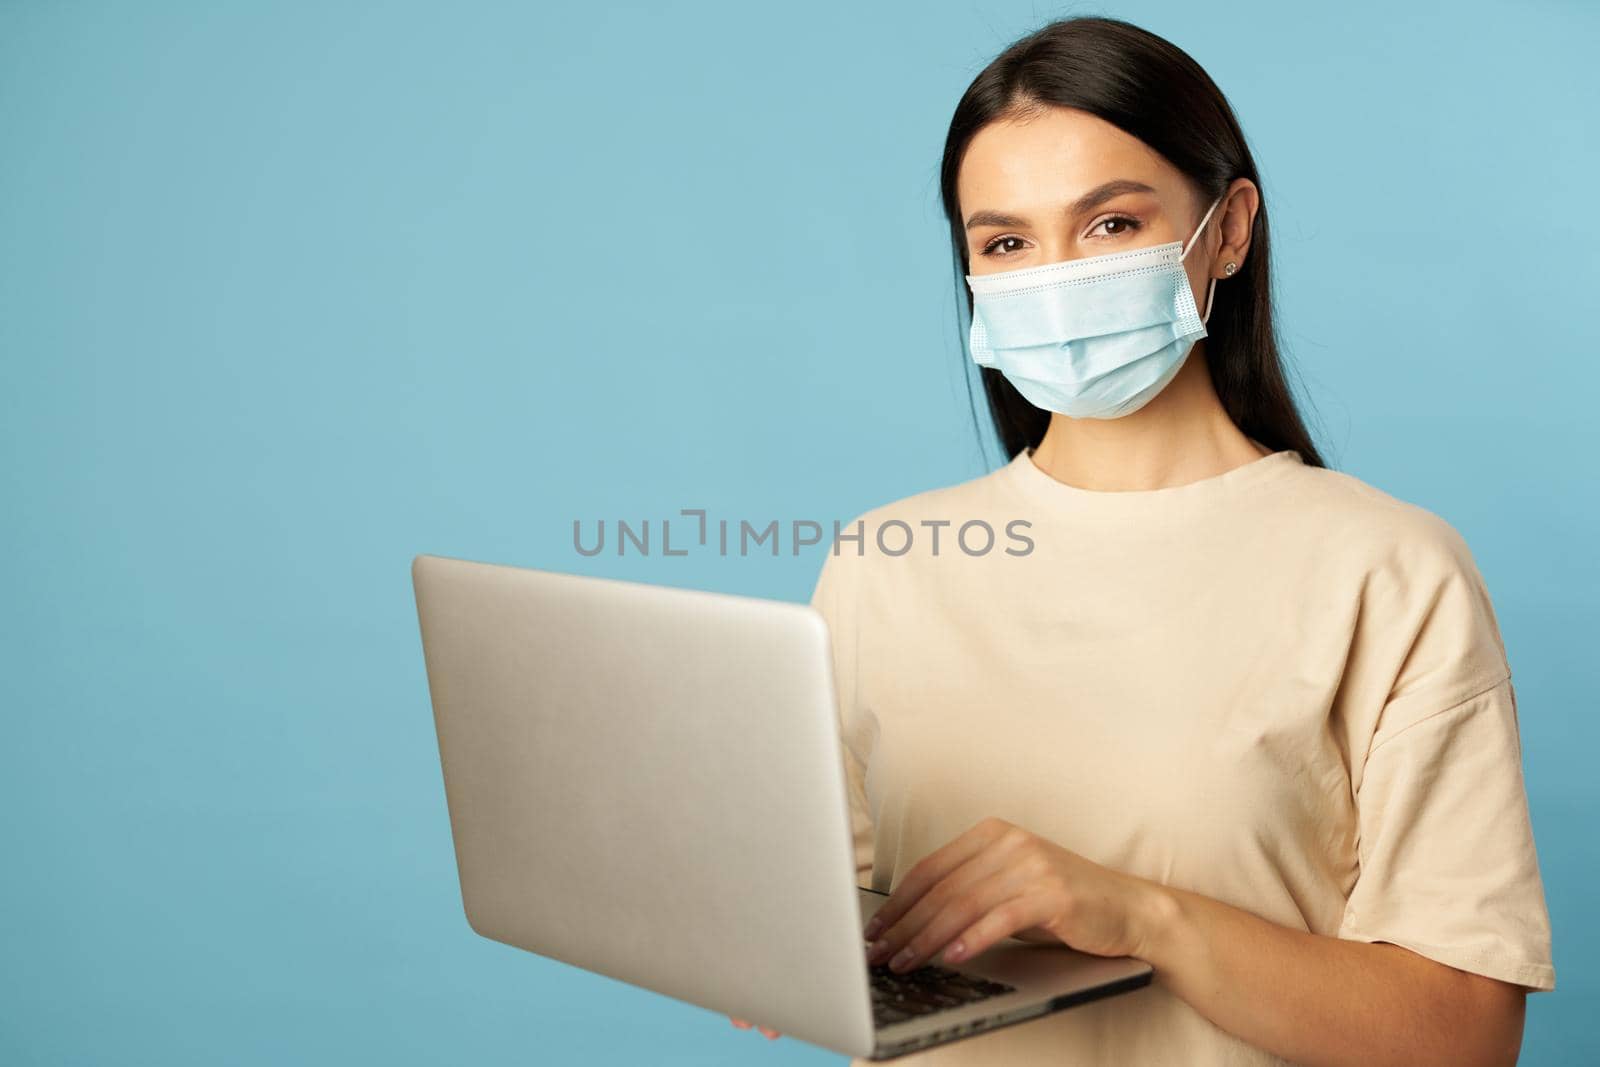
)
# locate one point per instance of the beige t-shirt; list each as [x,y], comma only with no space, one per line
[1278,687]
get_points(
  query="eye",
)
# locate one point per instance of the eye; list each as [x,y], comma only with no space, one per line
[1129,225]
[989,249]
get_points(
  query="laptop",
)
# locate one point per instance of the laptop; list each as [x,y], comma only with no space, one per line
[647,783]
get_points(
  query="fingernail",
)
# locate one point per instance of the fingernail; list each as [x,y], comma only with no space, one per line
[954,952]
[902,958]
[874,928]
[878,950]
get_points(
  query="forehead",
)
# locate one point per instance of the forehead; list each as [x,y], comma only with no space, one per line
[1050,157]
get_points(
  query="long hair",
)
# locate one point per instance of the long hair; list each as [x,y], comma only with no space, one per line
[1152,90]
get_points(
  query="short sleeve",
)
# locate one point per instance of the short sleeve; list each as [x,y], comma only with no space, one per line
[1448,866]
[834,598]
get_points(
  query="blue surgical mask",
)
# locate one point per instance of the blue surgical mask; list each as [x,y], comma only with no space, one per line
[1092,338]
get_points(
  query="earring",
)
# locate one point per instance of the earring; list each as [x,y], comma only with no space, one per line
[1230,268]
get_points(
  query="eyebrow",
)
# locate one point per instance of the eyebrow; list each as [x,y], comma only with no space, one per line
[1087,202]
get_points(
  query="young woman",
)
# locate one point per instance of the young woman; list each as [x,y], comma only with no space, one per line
[1230,712]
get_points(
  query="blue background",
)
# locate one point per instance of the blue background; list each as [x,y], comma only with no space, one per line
[292,292]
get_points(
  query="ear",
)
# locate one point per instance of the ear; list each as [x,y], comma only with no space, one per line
[1238,210]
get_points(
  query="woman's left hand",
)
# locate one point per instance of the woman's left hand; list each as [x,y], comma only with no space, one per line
[998,880]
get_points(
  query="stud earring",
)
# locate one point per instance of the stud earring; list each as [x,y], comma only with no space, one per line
[1230,268]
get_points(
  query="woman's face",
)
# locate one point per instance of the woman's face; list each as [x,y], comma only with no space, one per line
[1064,185]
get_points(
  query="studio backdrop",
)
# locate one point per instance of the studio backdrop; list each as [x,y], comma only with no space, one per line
[292,292]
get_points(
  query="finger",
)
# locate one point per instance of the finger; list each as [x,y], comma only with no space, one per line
[930,871]
[950,906]
[772,1035]
[1018,915]
[743,1024]
[960,913]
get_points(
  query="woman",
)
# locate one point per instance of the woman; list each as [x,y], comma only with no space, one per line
[1233,713]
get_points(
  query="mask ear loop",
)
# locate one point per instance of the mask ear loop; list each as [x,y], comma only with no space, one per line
[1198,230]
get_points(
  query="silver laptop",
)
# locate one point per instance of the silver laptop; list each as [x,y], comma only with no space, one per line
[647,783]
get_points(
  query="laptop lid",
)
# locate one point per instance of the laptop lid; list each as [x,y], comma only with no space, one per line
[646,782]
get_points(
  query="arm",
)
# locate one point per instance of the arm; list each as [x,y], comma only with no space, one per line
[1324,1001]
[1318,1000]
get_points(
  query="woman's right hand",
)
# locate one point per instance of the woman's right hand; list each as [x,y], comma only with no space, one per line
[745,1024]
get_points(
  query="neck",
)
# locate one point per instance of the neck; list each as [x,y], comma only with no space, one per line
[1180,436]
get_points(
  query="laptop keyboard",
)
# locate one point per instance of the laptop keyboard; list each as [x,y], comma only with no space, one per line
[928,989]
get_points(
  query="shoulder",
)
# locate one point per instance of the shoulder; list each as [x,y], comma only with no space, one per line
[976,497]
[1424,610]
[933,522]
[1348,518]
